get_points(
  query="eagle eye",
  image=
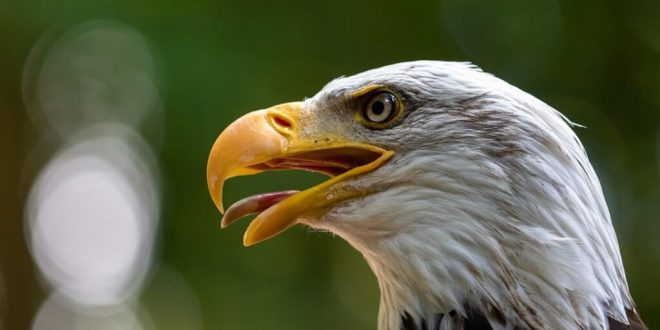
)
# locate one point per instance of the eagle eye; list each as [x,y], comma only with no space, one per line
[381,109]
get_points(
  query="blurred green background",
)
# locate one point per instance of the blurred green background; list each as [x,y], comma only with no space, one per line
[598,62]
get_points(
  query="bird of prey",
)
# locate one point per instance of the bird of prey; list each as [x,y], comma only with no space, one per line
[473,202]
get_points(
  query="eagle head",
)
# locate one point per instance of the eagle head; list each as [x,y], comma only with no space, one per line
[473,202]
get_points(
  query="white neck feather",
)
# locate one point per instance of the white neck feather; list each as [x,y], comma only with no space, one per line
[455,229]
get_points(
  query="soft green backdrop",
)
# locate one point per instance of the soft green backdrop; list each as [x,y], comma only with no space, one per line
[596,61]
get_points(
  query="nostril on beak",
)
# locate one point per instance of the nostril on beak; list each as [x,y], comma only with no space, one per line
[281,121]
[284,117]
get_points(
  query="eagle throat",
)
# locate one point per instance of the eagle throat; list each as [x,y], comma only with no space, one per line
[439,249]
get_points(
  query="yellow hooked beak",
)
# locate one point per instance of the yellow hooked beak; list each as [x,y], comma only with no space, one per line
[269,140]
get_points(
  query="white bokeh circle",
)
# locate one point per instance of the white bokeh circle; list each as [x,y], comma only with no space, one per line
[92,216]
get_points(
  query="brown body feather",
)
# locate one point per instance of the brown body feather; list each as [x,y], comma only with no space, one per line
[635,322]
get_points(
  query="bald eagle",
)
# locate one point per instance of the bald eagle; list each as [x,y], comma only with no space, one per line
[473,202]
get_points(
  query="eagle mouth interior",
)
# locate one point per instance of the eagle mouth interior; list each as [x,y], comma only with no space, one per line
[333,162]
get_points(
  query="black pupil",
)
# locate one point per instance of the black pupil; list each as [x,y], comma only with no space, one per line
[378,107]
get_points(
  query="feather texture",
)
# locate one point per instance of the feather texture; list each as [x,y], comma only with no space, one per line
[489,215]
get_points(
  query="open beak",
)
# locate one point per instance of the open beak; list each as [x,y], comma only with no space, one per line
[268,140]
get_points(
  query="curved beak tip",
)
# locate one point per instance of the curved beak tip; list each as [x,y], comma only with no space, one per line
[216,193]
[249,140]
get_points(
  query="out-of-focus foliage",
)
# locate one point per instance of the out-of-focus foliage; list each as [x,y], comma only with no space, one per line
[211,61]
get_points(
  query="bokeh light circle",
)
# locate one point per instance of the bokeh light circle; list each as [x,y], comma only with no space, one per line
[100,71]
[92,215]
[56,312]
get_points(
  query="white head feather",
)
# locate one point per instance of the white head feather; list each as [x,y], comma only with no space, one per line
[489,204]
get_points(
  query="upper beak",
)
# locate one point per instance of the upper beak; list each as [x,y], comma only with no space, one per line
[252,139]
[267,140]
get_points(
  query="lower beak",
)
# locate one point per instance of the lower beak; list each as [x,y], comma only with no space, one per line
[268,140]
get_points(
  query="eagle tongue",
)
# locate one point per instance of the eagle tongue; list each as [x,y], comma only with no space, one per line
[253,204]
